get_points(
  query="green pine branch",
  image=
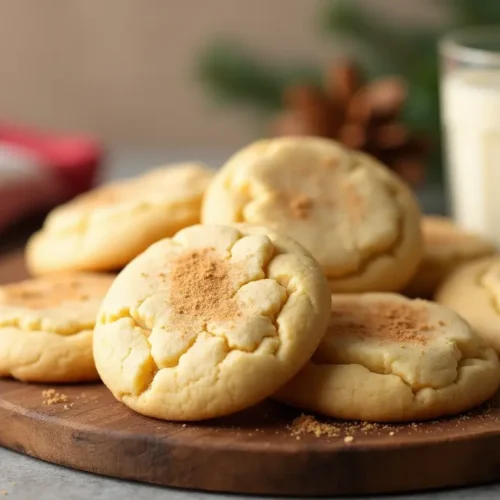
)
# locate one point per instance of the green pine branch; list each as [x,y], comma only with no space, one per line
[475,12]
[234,76]
[382,46]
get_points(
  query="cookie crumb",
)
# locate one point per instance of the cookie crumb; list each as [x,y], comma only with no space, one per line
[307,424]
[51,397]
[348,439]
[391,433]
[368,427]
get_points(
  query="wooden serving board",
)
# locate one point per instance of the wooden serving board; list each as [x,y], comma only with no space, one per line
[255,451]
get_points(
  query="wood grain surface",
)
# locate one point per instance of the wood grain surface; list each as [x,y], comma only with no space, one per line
[255,451]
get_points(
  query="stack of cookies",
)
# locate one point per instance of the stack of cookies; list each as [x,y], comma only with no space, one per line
[300,271]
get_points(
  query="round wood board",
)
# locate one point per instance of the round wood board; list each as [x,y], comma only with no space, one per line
[255,451]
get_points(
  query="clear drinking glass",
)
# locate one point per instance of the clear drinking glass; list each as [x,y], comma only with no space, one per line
[470,110]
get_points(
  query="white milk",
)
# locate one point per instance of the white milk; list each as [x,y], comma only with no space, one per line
[471,117]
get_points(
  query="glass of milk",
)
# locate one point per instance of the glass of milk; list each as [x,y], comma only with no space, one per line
[470,110]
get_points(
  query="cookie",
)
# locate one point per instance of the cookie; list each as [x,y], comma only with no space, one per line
[446,247]
[210,322]
[473,291]
[106,228]
[358,220]
[46,327]
[387,358]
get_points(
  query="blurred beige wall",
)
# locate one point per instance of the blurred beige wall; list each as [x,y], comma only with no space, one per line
[122,69]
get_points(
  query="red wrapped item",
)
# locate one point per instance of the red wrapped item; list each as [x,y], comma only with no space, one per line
[39,170]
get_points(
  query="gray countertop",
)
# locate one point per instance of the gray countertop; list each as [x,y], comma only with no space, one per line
[25,478]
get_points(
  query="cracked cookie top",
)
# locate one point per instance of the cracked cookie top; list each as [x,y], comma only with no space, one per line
[179,186]
[64,304]
[418,341]
[210,321]
[107,227]
[386,357]
[356,218]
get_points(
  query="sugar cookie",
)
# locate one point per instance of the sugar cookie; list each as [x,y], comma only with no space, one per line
[107,227]
[358,220]
[391,359]
[46,327]
[210,321]
[473,291]
[446,247]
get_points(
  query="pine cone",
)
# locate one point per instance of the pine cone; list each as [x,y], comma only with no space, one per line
[361,116]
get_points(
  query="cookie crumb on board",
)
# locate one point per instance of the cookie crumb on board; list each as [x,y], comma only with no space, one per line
[51,397]
[348,439]
[307,424]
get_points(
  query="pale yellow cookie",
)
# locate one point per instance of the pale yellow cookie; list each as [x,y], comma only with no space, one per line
[46,327]
[107,227]
[210,322]
[446,247]
[355,216]
[473,291]
[387,358]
